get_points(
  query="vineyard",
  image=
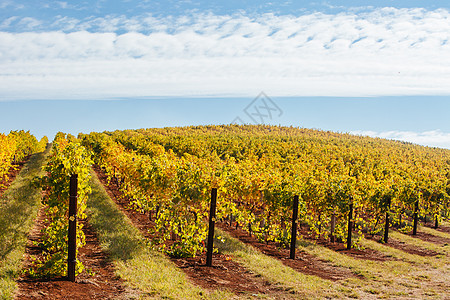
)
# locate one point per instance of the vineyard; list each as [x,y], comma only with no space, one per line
[329,196]
[259,169]
[15,147]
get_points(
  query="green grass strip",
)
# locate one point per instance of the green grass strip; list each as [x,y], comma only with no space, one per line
[19,206]
[148,273]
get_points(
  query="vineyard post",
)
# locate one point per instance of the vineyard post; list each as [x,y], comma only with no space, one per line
[436,222]
[386,225]
[349,233]
[416,217]
[320,223]
[72,238]
[294,226]
[333,226]
[212,220]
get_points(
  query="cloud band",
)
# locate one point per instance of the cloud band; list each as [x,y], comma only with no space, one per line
[381,52]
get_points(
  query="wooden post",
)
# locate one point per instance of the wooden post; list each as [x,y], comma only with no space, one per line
[320,223]
[72,238]
[294,227]
[333,226]
[416,217]
[436,222]
[386,225]
[349,233]
[212,220]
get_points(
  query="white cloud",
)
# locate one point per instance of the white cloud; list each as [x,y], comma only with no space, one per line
[433,138]
[382,52]
[10,4]
[7,22]
[62,4]
[29,23]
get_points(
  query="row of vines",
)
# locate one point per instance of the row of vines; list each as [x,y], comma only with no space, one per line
[15,147]
[258,169]
[67,157]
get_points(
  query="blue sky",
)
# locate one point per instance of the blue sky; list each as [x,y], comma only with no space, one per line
[47,10]
[80,66]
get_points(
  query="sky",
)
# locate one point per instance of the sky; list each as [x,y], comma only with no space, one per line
[81,66]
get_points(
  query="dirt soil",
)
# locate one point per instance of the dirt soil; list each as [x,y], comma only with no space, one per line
[404,246]
[13,172]
[100,283]
[225,273]
[303,262]
[441,228]
[431,238]
[370,254]
[366,254]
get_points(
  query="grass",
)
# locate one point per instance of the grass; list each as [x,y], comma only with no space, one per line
[434,232]
[148,273]
[19,206]
[273,270]
[407,276]
[442,250]
[393,252]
